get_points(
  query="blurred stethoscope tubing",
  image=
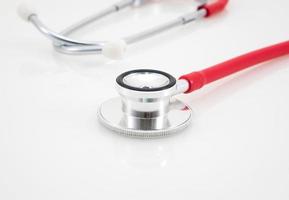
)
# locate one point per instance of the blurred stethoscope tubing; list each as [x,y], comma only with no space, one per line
[146,107]
[112,49]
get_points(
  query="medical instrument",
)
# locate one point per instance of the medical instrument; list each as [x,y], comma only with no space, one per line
[146,109]
[112,49]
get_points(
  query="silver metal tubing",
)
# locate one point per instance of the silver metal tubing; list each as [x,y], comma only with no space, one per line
[185,19]
[64,44]
[88,20]
[78,49]
[67,45]
[55,37]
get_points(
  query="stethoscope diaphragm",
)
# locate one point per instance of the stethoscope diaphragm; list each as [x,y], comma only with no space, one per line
[145,108]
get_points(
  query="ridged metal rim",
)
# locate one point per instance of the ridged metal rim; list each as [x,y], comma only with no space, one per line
[143,134]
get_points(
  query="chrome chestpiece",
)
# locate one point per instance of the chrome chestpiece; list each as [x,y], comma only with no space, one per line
[145,108]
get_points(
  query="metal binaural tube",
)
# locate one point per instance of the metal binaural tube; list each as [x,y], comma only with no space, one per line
[88,20]
[112,49]
[55,37]
[79,49]
[183,20]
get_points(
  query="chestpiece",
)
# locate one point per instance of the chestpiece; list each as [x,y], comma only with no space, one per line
[145,108]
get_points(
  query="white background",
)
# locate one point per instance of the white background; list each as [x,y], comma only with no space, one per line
[52,146]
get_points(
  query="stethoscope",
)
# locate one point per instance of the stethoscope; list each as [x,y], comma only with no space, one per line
[113,49]
[147,108]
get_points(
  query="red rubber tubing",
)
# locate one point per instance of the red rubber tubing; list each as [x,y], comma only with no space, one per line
[198,79]
[215,7]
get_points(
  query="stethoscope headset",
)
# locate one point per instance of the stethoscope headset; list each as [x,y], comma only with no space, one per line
[146,107]
[113,49]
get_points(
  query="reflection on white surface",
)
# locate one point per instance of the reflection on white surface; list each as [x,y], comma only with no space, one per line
[143,154]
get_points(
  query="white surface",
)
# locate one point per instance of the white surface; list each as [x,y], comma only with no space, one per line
[52,147]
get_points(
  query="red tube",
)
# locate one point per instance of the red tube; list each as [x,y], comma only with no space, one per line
[198,79]
[214,8]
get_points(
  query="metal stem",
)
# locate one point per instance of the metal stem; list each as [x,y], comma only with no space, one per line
[88,20]
[185,19]
[55,37]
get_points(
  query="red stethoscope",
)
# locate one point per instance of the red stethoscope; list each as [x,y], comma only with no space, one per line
[147,108]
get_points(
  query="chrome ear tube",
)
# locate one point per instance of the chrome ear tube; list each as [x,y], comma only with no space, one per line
[112,49]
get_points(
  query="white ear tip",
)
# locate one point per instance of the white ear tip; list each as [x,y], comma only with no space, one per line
[114,49]
[25,11]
